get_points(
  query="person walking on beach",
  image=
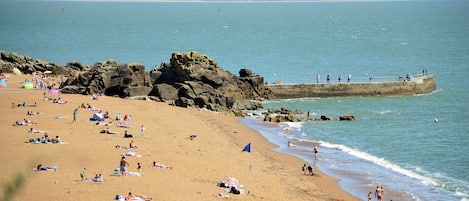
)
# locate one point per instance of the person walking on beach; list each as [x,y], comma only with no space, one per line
[318,78]
[349,77]
[123,166]
[315,150]
[340,78]
[328,78]
[142,130]
[369,196]
[378,193]
[75,115]
[382,193]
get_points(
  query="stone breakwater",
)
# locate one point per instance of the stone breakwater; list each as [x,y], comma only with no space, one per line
[417,85]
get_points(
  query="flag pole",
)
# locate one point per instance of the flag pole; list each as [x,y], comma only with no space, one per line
[250,172]
[248,149]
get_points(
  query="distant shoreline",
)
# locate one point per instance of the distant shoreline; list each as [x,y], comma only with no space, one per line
[224,1]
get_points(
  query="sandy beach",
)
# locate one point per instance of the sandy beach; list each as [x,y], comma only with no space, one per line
[198,164]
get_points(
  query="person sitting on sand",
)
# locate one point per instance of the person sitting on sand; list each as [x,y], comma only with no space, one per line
[310,170]
[96,178]
[45,139]
[126,135]
[132,145]
[158,165]
[56,140]
[130,196]
[192,137]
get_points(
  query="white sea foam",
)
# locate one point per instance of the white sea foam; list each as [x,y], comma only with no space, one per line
[381,162]
[384,112]
[293,125]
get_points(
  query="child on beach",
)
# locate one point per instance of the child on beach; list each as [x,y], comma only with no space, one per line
[82,173]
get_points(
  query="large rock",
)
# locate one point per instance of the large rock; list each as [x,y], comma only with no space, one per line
[200,82]
[109,78]
[346,117]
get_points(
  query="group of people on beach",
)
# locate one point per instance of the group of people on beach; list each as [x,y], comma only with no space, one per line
[379,194]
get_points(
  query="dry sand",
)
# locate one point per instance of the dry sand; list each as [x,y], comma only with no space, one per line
[198,164]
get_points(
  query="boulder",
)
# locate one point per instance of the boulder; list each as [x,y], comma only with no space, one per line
[326,117]
[346,117]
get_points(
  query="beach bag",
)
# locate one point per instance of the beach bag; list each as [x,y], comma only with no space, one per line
[221,184]
[234,190]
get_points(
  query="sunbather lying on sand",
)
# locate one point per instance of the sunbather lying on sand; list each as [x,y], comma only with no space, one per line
[122,125]
[34,113]
[132,197]
[20,123]
[107,131]
[131,154]
[100,123]
[97,178]
[158,165]
[40,167]
[31,130]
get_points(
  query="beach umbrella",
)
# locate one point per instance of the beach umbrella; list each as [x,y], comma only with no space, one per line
[27,85]
[3,84]
[16,71]
[54,91]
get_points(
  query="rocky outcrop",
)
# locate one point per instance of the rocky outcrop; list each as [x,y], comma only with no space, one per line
[11,60]
[108,78]
[346,117]
[187,80]
[195,80]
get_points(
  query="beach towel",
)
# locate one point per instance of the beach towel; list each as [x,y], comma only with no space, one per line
[130,153]
[98,180]
[135,174]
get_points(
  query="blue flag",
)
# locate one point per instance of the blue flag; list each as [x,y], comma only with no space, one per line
[247,148]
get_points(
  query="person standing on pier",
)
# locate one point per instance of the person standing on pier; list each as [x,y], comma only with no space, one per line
[328,78]
[318,77]
[340,77]
[349,77]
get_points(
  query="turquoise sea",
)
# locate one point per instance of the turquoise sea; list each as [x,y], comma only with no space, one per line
[395,141]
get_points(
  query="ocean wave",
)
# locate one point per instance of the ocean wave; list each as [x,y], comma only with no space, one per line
[382,162]
[292,126]
[429,94]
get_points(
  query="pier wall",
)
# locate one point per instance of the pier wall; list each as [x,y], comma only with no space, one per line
[417,85]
